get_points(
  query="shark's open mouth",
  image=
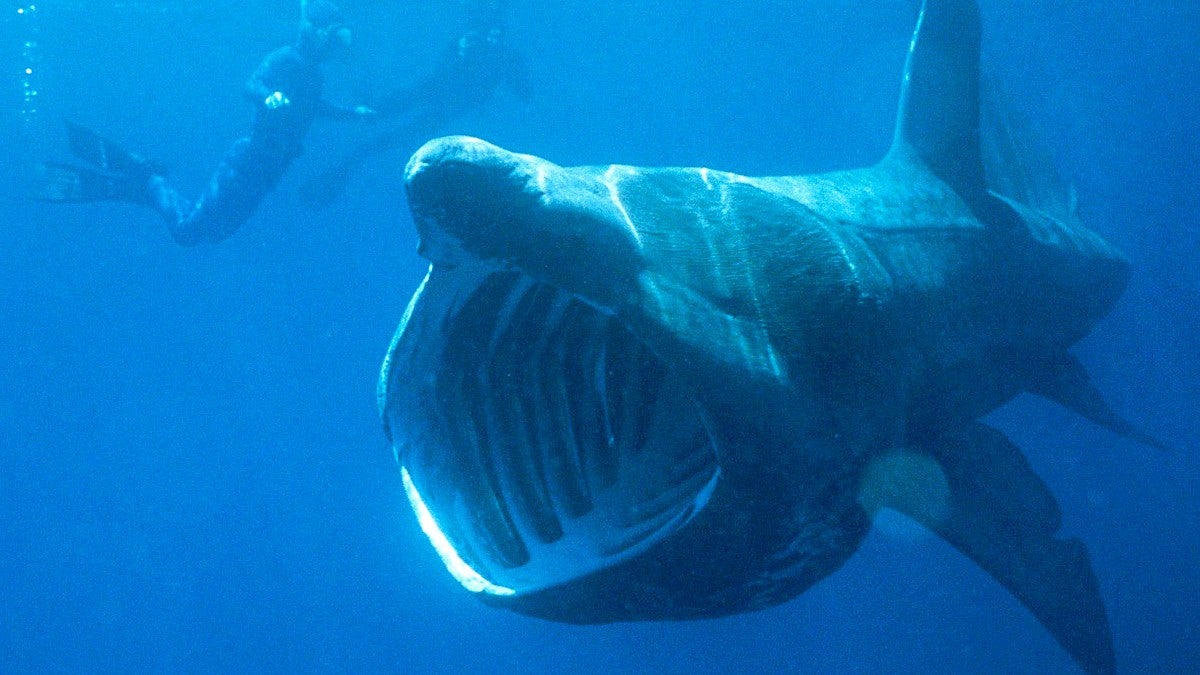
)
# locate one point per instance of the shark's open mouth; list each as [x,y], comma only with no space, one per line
[540,440]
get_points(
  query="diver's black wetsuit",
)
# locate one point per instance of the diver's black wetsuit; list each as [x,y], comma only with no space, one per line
[253,166]
[469,72]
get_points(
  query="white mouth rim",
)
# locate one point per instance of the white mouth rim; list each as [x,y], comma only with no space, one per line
[462,572]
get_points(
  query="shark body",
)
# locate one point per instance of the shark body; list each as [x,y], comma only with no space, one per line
[644,394]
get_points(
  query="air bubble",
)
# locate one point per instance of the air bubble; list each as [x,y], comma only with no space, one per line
[30,57]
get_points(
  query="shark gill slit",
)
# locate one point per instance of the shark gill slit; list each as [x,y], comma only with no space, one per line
[567,483]
[522,470]
[490,517]
[555,406]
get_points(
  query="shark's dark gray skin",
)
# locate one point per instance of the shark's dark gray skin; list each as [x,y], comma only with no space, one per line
[642,394]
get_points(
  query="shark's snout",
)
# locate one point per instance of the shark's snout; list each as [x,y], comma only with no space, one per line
[466,198]
[475,202]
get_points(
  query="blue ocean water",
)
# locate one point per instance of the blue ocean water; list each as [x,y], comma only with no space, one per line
[192,472]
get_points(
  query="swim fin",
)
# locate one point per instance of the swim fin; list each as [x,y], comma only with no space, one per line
[103,153]
[70,184]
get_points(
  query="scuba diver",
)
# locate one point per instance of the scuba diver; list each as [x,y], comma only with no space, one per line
[286,90]
[466,76]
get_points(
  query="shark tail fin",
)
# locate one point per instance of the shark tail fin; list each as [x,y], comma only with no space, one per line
[1066,382]
[938,121]
[987,502]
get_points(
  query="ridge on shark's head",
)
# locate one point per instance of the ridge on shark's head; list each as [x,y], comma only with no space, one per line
[625,393]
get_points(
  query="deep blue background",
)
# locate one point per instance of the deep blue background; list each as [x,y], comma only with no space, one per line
[192,475]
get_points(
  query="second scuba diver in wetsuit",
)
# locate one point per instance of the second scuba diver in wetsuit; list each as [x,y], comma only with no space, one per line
[466,76]
[287,92]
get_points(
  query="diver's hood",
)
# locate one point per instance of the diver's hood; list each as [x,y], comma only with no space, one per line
[322,14]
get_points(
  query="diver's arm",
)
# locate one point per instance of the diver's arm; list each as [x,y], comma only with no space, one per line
[413,99]
[331,111]
[258,88]
[427,93]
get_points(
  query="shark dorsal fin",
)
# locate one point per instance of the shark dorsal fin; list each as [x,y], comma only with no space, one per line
[938,122]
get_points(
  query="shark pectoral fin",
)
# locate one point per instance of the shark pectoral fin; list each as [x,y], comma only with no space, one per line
[1065,381]
[1003,517]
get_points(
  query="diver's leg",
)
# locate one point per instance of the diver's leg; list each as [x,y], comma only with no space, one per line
[214,216]
[175,209]
[248,172]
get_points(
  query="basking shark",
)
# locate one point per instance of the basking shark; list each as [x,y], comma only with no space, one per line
[628,393]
